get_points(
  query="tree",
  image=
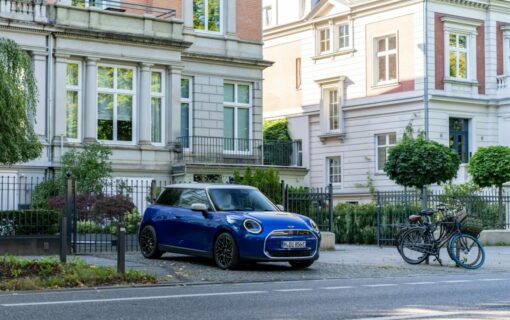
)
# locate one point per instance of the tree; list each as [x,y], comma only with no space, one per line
[18,99]
[91,167]
[490,166]
[417,162]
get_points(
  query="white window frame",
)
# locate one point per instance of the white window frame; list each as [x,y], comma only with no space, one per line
[320,41]
[238,105]
[463,27]
[457,50]
[267,15]
[327,171]
[338,36]
[103,5]
[387,146]
[115,92]
[327,106]
[162,96]
[77,88]
[206,22]
[386,54]
[189,101]
[330,105]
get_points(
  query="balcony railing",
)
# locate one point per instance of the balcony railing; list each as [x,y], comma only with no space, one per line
[123,6]
[211,150]
[29,10]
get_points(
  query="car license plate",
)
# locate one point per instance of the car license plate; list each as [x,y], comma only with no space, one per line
[293,244]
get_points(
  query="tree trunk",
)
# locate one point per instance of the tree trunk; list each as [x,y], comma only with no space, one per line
[500,206]
[424,198]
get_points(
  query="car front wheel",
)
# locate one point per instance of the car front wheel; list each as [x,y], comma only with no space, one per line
[226,253]
[149,243]
[301,264]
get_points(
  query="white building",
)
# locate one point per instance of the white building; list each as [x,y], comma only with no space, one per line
[174,88]
[351,74]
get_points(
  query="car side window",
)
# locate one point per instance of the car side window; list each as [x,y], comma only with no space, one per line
[169,197]
[190,196]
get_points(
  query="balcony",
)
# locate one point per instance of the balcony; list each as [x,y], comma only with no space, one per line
[211,150]
[122,6]
[25,10]
[503,83]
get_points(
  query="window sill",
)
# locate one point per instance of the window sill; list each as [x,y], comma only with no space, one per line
[462,82]
[387,84]
[332,135]
[333,54]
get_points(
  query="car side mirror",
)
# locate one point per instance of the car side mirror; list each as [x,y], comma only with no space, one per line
[280,207]
[199,207]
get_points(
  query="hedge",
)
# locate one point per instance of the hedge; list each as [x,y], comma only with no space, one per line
[29,222]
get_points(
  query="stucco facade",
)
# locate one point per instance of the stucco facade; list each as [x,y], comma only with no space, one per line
[146,79]
[365,76]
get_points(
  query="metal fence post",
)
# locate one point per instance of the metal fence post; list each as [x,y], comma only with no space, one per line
[63,239]
[69,209]
[121,250]
[282,189]
[330,207]
[378,210]
[153,191]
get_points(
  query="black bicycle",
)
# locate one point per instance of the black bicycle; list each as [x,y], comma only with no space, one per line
[417,242]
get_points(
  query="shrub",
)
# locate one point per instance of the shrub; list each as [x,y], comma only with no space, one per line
[29,222]
[131,221]
[88,226]
[44,191]
[266,180]
[114,207]
[355,223]
[84,204]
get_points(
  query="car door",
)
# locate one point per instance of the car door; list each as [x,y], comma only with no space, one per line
[164,219]
[193,228]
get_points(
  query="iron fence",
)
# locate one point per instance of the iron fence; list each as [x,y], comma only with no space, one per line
[316,203]
[199,149]
[483,209]
[125,6]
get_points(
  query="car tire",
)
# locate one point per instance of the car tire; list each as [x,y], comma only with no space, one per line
[226,252]
[301,264]
[148,241]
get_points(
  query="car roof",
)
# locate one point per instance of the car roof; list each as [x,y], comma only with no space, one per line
[208,185]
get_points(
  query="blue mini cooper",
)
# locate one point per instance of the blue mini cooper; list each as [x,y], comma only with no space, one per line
[229,223]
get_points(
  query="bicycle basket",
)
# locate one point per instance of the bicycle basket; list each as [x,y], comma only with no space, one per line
[472,226]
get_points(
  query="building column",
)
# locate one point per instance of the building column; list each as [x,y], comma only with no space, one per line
[230,17]
[144,106]
[173,112]
[39,117]
[187,15]
[90,110]
[59,118]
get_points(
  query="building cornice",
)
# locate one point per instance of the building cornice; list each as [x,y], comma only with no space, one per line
[217,59]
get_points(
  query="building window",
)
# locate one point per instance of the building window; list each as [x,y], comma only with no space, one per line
[459,138]
[186,112]
[386,59]
[343,36]
[298,145]
[207,15]
[334,170]
[324,40]
[73,101]
[93,3]
[157,106]
[333,112]
[298,73]
[237,116]
[115,103]
[268,15]
[384,142]
[458,55]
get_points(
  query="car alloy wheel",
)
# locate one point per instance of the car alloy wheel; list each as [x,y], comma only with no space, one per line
[226,253]
[149,243]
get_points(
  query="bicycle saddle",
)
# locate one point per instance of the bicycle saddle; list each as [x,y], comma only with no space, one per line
[427,212]
[414,218]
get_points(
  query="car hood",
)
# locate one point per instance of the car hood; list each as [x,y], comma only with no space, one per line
[277,219]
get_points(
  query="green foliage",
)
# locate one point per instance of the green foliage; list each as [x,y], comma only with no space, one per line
[29,222]
[88,226]
[18,99]
[417,162]
[30,274]
[266,180]
[131,222]
[277,130]
[355,223]
[91,167]
[490,166]
[113,207]
[45,190]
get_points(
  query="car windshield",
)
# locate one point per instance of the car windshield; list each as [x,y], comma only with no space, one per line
[240,200]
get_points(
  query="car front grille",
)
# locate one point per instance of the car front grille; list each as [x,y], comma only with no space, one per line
[290,253]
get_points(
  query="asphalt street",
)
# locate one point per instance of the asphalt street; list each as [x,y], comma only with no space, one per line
[453,296]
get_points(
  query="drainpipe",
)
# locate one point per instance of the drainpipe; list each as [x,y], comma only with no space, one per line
[49,97]
[425,87]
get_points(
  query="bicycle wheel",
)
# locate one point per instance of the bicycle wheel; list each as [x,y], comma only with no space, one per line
[414,245]
[466,251]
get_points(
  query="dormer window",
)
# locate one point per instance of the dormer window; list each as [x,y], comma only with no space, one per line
[207,15]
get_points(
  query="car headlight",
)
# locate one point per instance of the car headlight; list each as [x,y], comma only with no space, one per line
[252,226]
[314,226]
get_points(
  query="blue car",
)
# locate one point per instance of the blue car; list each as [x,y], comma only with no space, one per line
[228,223]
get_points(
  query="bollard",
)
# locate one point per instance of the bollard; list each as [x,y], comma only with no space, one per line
[121,250]
[63,239]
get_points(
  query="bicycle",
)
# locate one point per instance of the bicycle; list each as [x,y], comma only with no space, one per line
[416,243]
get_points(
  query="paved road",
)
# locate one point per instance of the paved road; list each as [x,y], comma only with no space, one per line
[453,296]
